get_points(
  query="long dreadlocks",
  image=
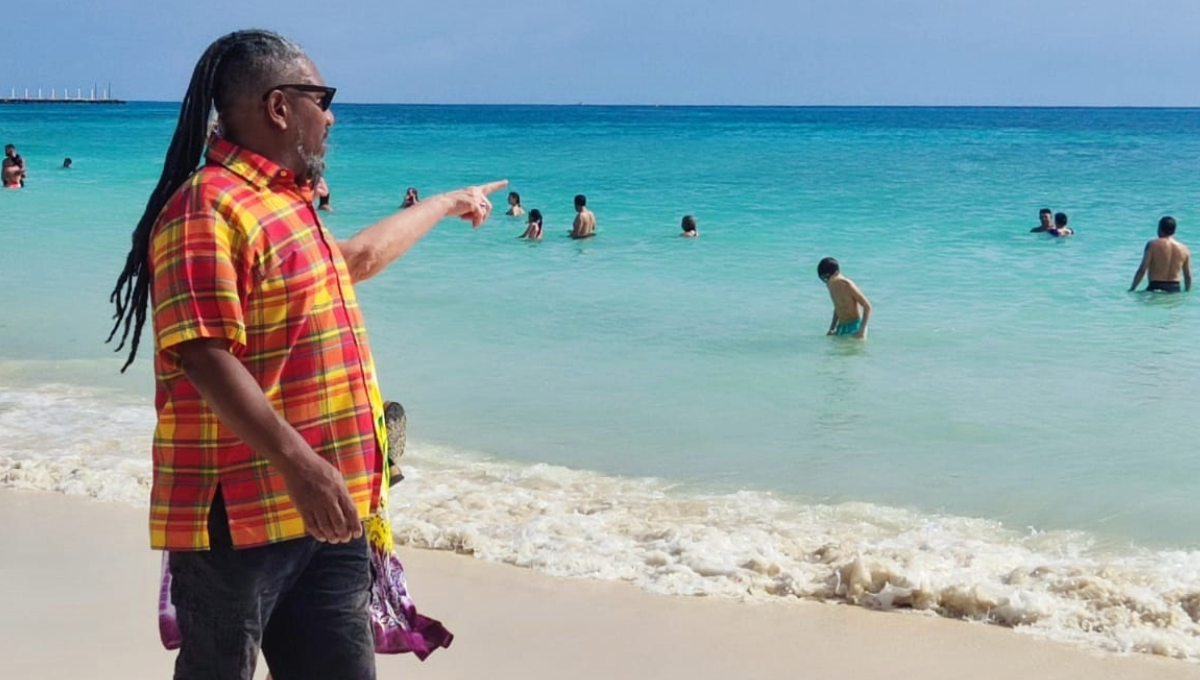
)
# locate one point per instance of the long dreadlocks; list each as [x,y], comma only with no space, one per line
[234,66]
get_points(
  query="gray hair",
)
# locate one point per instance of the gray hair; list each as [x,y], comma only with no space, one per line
[254,62]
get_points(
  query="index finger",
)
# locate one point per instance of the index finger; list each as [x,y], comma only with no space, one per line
[492,187]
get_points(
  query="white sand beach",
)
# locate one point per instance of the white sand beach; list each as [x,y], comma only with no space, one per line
[79,589]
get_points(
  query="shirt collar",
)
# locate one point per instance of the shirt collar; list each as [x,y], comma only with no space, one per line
[255,168]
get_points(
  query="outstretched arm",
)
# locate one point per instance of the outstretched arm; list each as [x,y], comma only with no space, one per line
[1141,271]
[371,250]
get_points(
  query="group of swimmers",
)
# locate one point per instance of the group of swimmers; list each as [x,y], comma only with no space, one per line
[1052,223]
[1164,259]
[13,170]
[583,227]
[851,308]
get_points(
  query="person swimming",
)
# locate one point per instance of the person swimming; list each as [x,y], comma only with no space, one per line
[689,227]
[533,231]
[1060,226]
[410,197]
[1046,219]
[514,205]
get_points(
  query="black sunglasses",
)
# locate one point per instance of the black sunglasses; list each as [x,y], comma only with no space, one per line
[326,92]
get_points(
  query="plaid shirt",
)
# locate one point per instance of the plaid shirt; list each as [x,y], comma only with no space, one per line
[239,254]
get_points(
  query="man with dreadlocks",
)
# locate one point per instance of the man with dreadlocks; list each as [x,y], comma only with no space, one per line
[269,446]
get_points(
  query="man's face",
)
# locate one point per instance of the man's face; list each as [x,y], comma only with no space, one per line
[10,151]
[1046,221]
[312,123]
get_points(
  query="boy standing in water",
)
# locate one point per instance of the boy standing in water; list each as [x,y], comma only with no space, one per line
[847,301]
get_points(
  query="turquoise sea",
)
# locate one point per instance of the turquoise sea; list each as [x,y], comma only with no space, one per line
[1014,443]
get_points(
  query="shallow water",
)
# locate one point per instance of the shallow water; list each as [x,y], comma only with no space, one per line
[1014,441]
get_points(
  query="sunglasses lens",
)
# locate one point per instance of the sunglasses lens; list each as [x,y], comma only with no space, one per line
[324,101]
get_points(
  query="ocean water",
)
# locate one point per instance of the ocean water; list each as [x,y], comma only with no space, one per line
[1015,442]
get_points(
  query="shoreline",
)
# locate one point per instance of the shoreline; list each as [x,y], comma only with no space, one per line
[80,584]
[740,546]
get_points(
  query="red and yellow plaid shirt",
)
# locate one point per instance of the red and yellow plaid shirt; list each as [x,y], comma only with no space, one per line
[239,254]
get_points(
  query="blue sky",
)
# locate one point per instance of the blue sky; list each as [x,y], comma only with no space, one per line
[791,52]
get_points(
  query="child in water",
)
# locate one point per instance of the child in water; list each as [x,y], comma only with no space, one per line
[534,231]
[1060,226]
[847,301]
[410,198]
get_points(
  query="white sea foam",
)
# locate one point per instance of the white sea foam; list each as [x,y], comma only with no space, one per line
[77,441]
[673,540]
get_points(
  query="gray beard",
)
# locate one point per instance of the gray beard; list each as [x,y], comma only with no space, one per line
[314,163]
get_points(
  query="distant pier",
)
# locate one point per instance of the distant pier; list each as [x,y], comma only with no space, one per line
[93,96]
[22,100]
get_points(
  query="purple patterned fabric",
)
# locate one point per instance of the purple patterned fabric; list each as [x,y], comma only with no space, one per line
[397,626]
[394,619]
[168,626]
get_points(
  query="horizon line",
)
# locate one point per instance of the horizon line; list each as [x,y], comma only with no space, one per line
[746,106]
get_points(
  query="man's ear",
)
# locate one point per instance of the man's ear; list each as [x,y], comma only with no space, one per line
[278,110]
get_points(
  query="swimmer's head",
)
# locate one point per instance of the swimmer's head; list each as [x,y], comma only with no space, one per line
[580,201]
[689,224]
[10,150]
[66,162]
[1045,215]
[535,217]
[514,199]
[1060,220]
[827,268]
[1166,226]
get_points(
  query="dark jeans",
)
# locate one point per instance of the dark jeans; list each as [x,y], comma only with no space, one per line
[304,603]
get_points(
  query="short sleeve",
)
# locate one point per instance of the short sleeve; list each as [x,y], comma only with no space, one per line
[196,281]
